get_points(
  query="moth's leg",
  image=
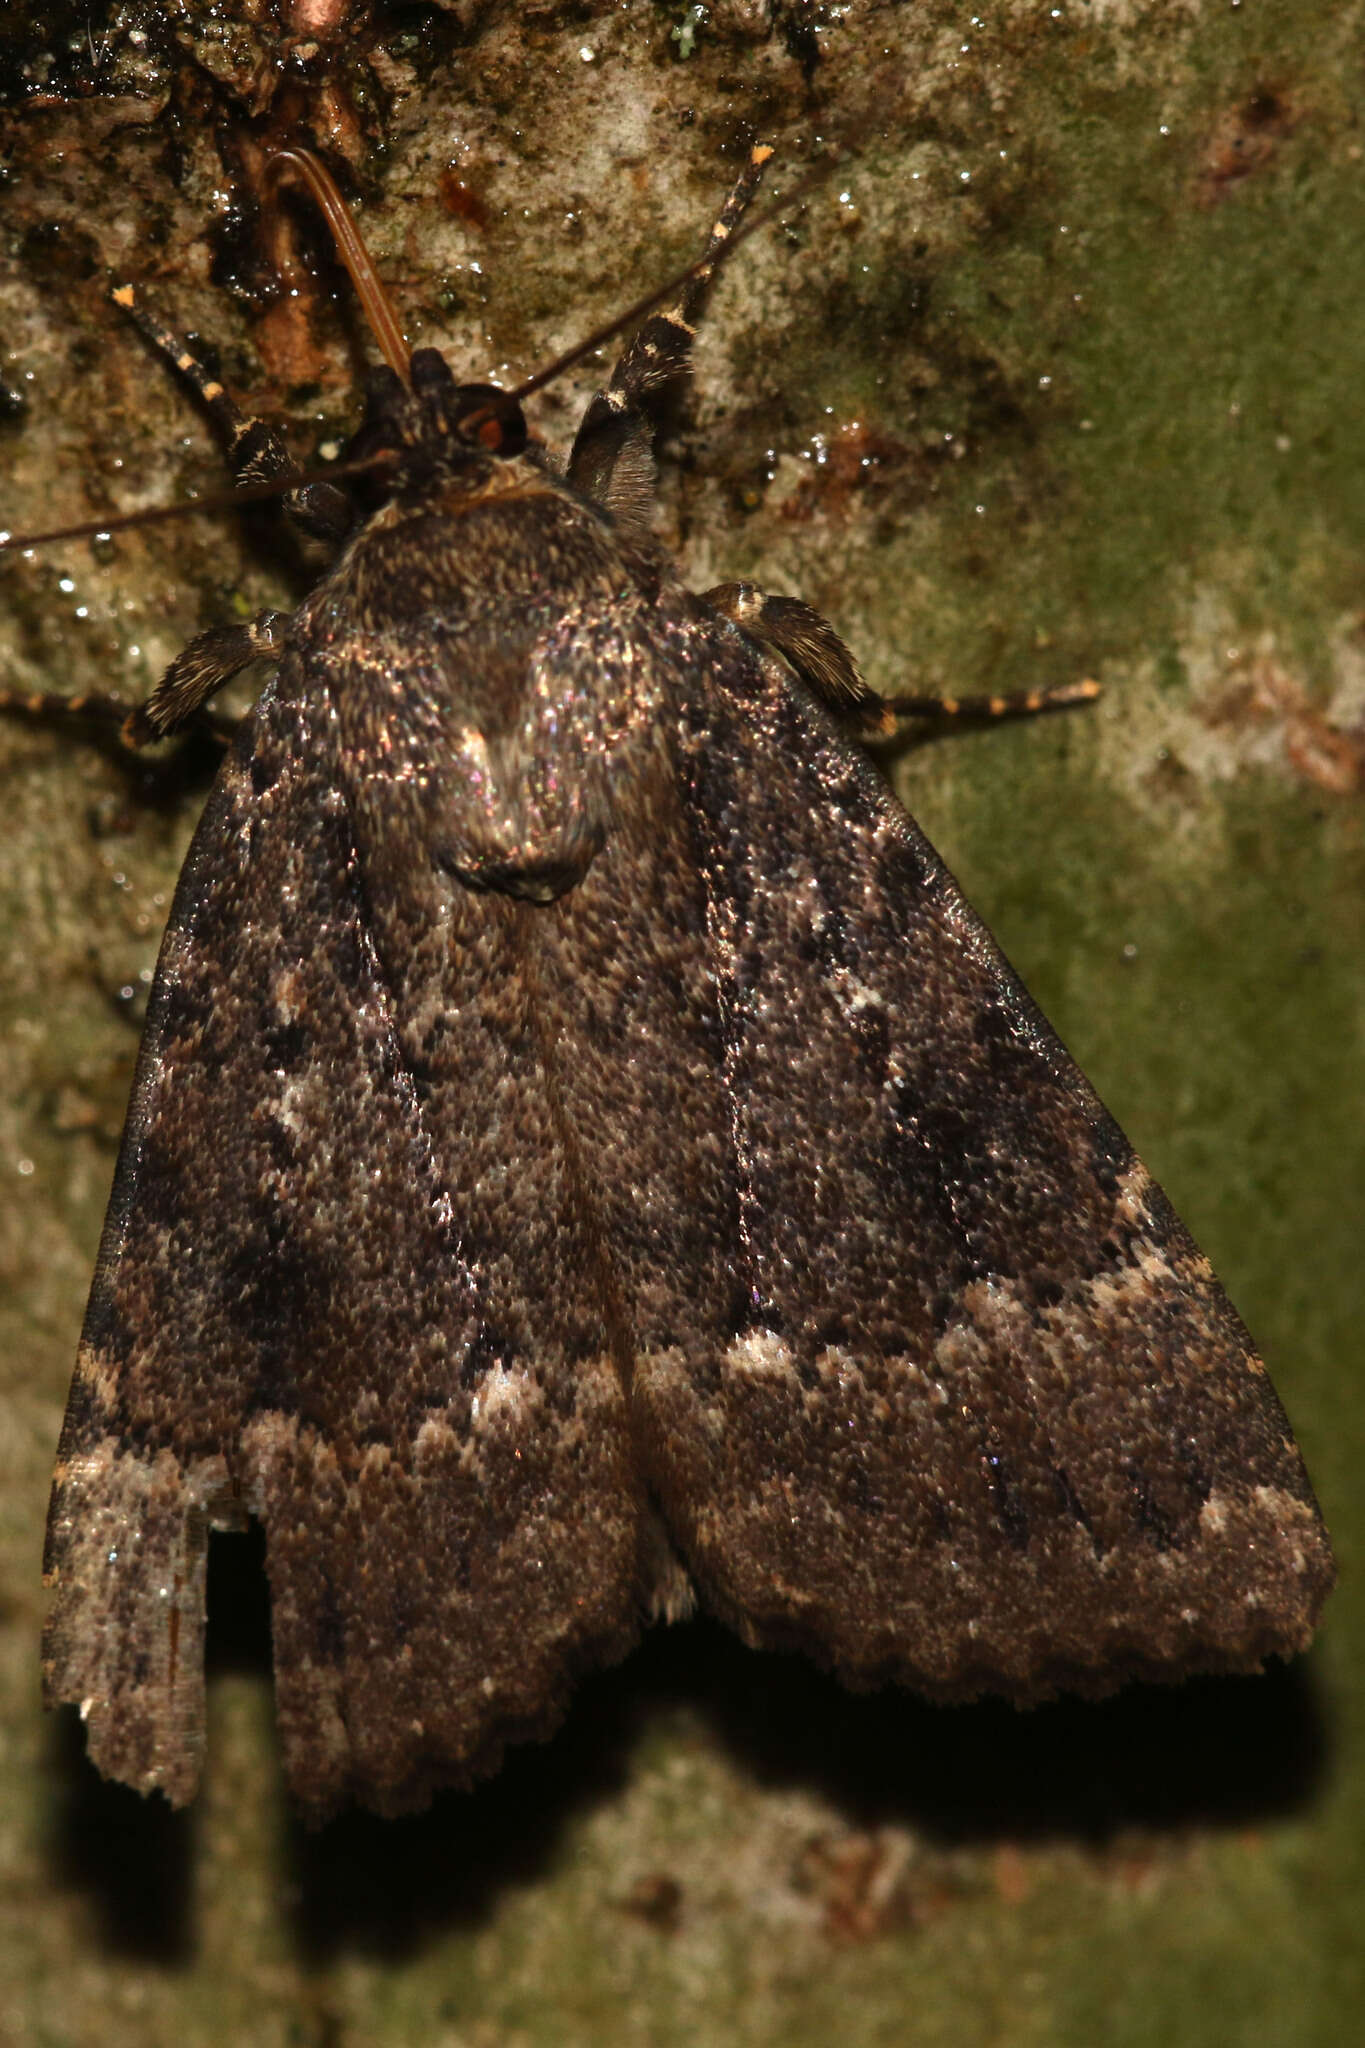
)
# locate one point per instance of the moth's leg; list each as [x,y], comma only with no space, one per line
[93,711]
[255,451]
[612,459]
[998,704]
[811,647]
[256,454]
[211,659]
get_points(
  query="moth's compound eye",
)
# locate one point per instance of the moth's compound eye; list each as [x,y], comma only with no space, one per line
[511,425]
[489,419]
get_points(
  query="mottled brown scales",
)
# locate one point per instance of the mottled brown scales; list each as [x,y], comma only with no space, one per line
[586,1156]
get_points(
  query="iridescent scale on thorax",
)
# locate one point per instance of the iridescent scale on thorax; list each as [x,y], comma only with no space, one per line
[490,657]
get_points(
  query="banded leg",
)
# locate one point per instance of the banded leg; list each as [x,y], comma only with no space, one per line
[96,713]
[255,451]
[211,659]
[995,704]
[813,650]
[256,454]
[612,458]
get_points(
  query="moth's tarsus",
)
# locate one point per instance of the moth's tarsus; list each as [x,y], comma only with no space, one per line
[113,718]
[586,1156]
[316,501]
[994,704]
[90,707]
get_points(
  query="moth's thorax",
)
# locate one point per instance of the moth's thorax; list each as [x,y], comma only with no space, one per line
[477,543]
[490,654]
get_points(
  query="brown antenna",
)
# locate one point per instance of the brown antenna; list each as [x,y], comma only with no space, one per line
[379,311]
[375,302]
[710,261]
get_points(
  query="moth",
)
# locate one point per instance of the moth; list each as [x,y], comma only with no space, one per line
[587,1159]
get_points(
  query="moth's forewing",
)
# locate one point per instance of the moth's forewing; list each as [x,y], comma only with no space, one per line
[990,1422]
[322,1300]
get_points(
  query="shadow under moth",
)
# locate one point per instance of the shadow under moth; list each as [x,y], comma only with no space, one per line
[586,1158]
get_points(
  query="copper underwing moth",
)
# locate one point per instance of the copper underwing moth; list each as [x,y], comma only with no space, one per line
[587,1159]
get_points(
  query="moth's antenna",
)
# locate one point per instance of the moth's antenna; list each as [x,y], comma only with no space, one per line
[375,302]
[383,319]
[379,311]
[680,279]
[213,501]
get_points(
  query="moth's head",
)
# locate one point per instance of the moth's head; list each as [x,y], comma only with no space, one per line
[431,424]
[419,423]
